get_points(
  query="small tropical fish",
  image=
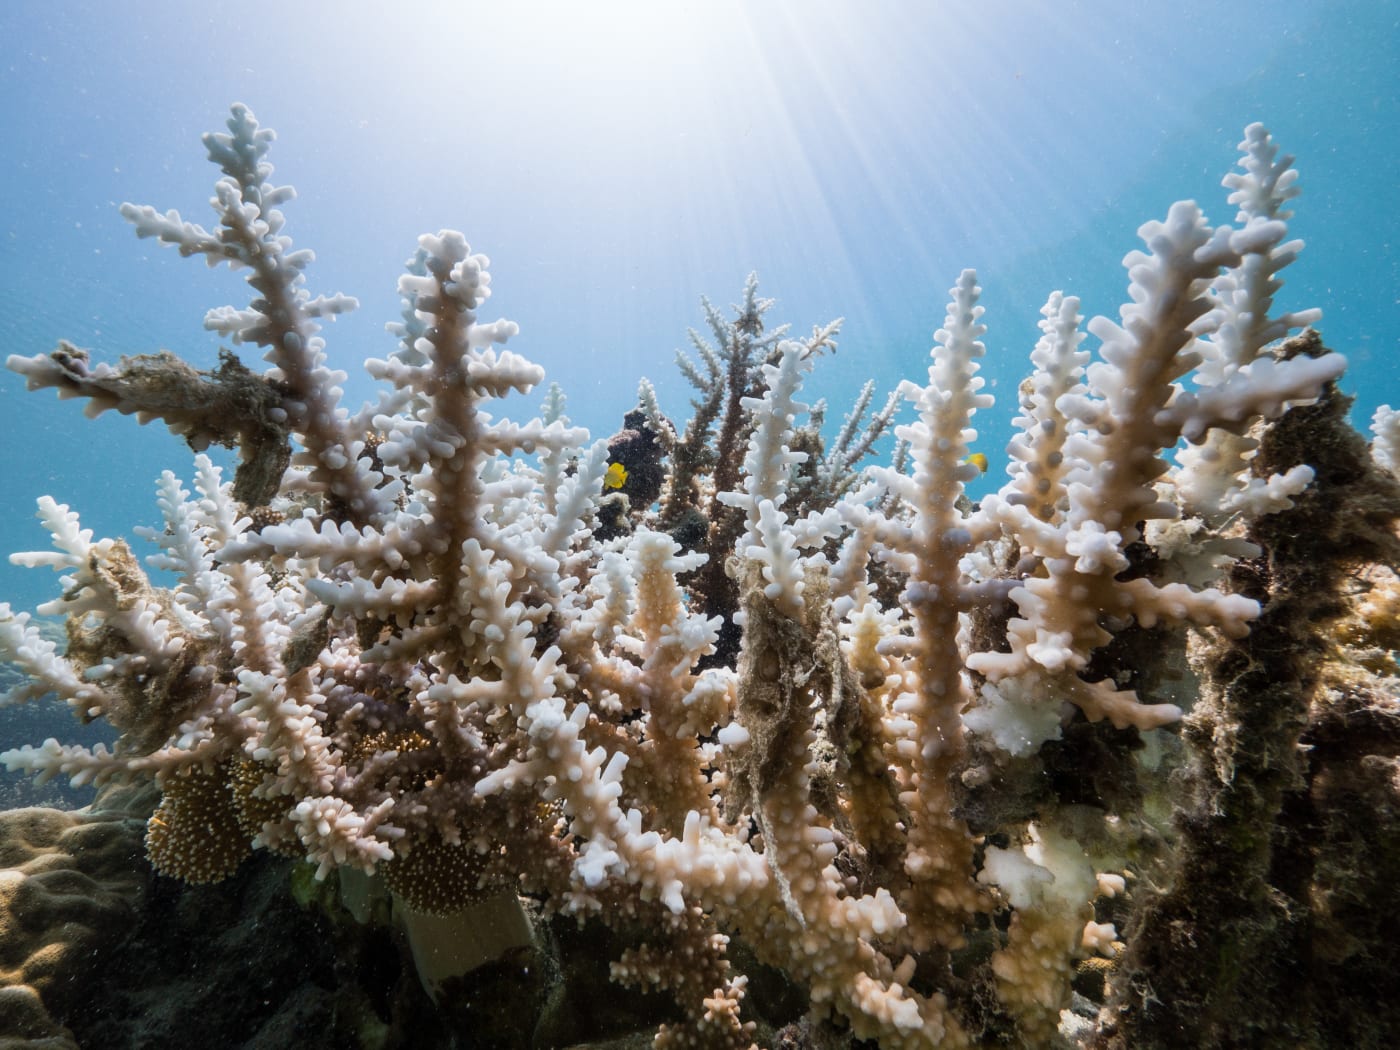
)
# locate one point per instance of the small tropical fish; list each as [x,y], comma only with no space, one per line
[978,460]
[616,476]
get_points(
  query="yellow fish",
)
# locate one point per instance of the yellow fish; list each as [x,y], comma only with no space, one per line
[978,460]
[616,476]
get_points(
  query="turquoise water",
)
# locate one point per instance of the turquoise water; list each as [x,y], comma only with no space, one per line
[617,162]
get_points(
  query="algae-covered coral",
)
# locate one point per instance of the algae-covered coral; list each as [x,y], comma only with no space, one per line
[909,751]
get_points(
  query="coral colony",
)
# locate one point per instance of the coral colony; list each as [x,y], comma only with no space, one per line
[716,682]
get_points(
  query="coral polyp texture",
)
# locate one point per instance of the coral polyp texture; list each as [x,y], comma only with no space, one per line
[723,682]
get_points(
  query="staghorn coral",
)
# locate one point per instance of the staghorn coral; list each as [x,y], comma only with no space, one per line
[441,658]
[705,458]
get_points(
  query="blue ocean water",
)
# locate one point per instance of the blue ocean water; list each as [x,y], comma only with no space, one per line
[617,161]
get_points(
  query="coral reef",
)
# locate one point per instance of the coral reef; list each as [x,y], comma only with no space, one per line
[68,889]
[1278,787]
[728,693]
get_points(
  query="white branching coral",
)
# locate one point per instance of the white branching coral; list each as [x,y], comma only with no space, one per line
[284,318]
[1235,372]
[1385,446]
[417,630]
[1037,451]
[767,470]
[1130,410]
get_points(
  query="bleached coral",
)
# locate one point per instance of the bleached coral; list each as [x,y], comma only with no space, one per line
[1385,448]
[1233,374]
[1130,410]
[426,637]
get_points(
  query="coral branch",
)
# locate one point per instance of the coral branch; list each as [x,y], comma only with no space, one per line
[715,685]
